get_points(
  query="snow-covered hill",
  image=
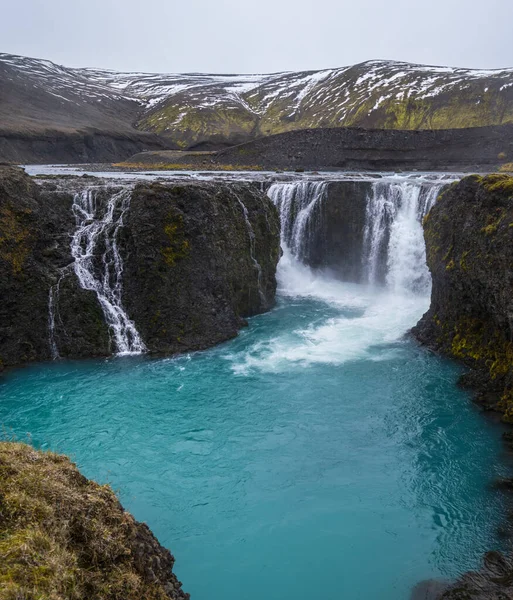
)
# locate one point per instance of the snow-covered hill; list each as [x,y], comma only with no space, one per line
[189,109]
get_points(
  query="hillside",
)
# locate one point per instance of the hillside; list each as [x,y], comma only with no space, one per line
[472,149]
[42,103]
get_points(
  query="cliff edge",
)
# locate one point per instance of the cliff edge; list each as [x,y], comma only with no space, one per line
[469,243]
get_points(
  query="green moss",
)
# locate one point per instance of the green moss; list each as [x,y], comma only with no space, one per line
[188,166]
[493,222]
[498,182]
[15,238]
[463,260]
[177,245]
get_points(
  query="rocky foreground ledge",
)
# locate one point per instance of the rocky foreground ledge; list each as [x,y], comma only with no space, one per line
[65,537]
[469,243]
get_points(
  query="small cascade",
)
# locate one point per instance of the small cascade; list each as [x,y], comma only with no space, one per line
[300,206]
[251,235]
[51,322]
[98,264]
[394,250]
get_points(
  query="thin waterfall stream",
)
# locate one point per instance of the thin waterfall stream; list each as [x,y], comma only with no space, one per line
[98,264]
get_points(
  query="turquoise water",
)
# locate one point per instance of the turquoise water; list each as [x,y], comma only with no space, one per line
[320,454]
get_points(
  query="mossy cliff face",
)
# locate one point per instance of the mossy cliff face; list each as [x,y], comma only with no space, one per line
[64,537]
[198,258]
[469,241]
[194,266]
[35,227]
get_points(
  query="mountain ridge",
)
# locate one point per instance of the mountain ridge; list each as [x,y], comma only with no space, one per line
[218,110]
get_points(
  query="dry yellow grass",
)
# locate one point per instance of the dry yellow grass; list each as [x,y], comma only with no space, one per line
[63,537]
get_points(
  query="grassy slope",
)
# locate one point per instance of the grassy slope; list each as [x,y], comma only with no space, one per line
[63,537]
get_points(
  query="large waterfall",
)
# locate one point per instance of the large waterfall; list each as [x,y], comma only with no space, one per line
[393,249]
[98,264]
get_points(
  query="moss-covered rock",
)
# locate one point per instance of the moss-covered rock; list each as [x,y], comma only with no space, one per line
[194,266]
[64,537]
[469,240]
[35,227]
[198,258]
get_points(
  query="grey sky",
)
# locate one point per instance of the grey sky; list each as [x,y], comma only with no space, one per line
[235,36]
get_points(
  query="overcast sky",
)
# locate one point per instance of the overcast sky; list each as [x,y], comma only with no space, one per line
[237,36]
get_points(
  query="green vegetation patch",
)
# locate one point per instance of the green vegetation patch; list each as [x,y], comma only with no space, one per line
[14,238]
[177,245]
[498,182]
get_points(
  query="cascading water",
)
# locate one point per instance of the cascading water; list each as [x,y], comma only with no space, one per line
[300,206]
[51,322]
[394,250]
[393,244]
[251,235]
[98,264]
[292,470]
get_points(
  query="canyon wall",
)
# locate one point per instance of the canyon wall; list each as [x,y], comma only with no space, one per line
[82,269]
[469,241]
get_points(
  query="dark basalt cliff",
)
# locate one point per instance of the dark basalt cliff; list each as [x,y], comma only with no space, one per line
[336,243]
[35,227]
[67,538]
[198,258]
[469,240]
[194,266]
[81,146]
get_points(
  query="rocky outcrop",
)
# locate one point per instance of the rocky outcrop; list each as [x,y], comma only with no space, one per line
[65,537]
[494,581]
[82,146]
[469,240]
[198,258]
[340,244]
[35,226]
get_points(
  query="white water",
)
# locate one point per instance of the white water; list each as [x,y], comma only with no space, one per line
[300,206]
[370,317]
[51,322]
[98,264]
[394,249]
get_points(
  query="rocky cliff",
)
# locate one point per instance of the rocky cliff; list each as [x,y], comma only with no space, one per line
[184,264]
[35,227]
[65,537]
[469,244]
[200,257]
[469,240]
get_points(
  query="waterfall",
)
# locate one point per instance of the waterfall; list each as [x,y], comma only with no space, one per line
[300,206]
[394,251]
[54,351]
[98,264]
[251,235]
